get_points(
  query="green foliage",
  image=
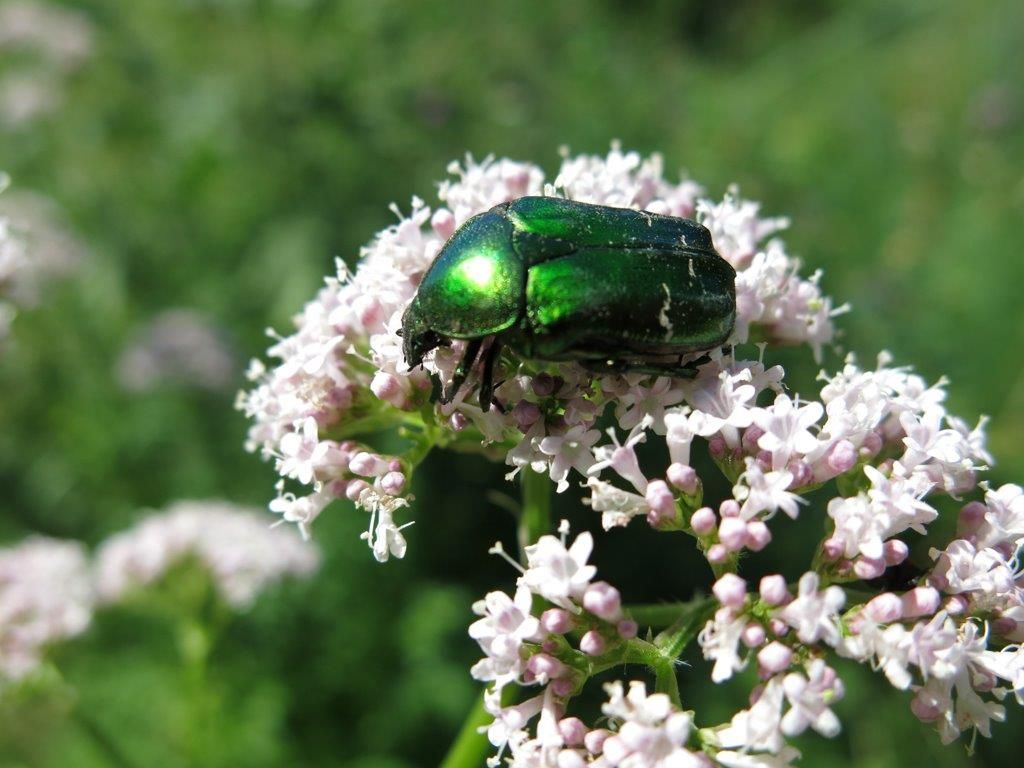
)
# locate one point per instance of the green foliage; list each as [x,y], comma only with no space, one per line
[217,155]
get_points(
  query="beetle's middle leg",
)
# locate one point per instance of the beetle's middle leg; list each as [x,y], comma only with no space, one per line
[487,377]
[462,371]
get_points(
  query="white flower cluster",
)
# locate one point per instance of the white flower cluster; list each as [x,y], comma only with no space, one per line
[49,588]
[343,372]
[13,264]
[57,40]
[177,346]
[46,595]
[34,247]
[562,627]
[582,629]
[880,437]
[242,554]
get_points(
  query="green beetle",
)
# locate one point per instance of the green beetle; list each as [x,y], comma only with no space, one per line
[614,289]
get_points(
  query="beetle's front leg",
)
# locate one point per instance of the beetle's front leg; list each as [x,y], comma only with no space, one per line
[461,371]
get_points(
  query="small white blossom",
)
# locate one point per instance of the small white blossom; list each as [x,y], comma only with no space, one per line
[813,614]
[505,625]
[651,734]
[785,427]
[720,641]
[765,492]
[558,574]
[241,552]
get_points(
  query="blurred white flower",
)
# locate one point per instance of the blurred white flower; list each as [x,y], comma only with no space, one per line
[34,247]
[177,346]
[46,42]
[241,552]
[46,595]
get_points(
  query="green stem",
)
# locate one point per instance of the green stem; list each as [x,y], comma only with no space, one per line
[470,748]
[102,740]
[194,644]
[650,655]
[535,520]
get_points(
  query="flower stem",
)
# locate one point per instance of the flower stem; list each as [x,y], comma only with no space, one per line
[104,742]
[535,519]
[470,748]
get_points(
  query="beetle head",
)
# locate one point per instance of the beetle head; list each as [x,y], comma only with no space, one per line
[475,288]
[417,337]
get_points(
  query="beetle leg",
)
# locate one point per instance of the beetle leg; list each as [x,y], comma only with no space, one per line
[462,371]
[487,377]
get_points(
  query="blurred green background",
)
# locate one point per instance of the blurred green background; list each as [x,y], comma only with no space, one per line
[217,155]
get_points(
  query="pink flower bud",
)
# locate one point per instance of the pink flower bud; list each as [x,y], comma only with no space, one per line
[703,521]
[957,605]
[764,460]
[543,384]
[753,635]
[971,517]
[925,707]
[458,421]
[443,223]
[369,310]
[615,750]
[750,437]
[556,621]
[627,629]
[842,457]
[832,549]
[717,554]
[920,601]
[717,447]
[661,501]
[545,667]
[729,508]
[592,644]
[603,600]
[1004,625]
[802,473]
[732,532]
[568,758]
[884,608]
[563,686]
[871,445]
[730,590]
[773,590]
[355,489]
[778,627]
[388,388]
[895,551]
[395,465]
[392,483]
[869,567]
[525,414]
[367,465]
[594,741]
[773,658]
[572,730]
[758,535]
[683,477]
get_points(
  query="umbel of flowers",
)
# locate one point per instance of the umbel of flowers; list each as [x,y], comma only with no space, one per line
[878,436]
[50,588]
